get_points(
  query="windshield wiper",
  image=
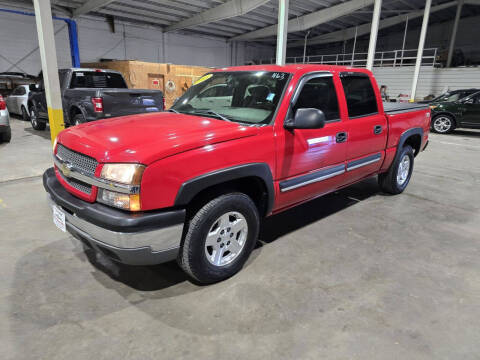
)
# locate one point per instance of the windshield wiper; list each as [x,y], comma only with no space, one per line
[214,113]
[173,110]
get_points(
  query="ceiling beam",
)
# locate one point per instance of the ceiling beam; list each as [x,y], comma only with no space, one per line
[91,5]
[364,29]
[310,20]
[224,11]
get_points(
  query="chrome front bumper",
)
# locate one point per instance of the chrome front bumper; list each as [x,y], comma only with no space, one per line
[135,245]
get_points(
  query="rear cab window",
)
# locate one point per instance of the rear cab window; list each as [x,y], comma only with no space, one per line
[97,80]
[359,93]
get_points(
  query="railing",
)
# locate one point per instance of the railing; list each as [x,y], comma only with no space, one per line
[392,58]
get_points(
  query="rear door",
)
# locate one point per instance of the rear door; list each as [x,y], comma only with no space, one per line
[366,125]
[311,162]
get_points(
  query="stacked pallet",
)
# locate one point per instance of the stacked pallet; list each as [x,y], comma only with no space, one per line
[172,79]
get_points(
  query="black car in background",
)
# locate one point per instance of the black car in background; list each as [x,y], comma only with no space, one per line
[450,96]
[92,94]
[464,113]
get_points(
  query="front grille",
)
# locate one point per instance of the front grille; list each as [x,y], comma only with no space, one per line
[77,184]
[84,163]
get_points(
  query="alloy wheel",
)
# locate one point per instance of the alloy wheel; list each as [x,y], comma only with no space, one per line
[403,170]
[226,238]
[442,124]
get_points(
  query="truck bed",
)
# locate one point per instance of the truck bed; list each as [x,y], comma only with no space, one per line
[395,108]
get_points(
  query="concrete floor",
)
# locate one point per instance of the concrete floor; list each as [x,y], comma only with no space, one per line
[353,275]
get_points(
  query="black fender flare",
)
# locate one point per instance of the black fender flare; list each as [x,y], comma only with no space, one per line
[404,137]
[189,189]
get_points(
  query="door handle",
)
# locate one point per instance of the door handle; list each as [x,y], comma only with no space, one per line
[341,137]
[377,129]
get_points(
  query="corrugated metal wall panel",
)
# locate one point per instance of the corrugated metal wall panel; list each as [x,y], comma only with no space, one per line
[19,39]
[431,81]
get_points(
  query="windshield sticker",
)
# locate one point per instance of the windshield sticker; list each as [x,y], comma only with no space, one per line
[203,78]
[270,97]
[278,76]
[79,74]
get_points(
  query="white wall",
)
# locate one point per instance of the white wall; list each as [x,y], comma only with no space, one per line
[19,41]
[431,80]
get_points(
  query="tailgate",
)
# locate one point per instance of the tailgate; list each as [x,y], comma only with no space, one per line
[130,101]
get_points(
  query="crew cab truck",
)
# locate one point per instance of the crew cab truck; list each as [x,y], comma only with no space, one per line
[193,183]
[92,94]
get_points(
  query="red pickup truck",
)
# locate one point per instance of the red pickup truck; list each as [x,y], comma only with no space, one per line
[243,143]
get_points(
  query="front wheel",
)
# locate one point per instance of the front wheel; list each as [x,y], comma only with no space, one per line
[220,238]
[399,174]
[443,124]
[36,124]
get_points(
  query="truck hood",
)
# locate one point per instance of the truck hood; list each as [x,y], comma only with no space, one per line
[145,138]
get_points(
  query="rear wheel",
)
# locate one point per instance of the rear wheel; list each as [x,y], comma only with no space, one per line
[220,238]
[36,124]
[78,119]
[443,124]
[399,174]
[25,116]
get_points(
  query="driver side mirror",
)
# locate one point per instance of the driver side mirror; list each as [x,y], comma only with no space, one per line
[34,87]
[306,118]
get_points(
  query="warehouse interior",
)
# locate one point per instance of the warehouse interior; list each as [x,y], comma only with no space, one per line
[352,273]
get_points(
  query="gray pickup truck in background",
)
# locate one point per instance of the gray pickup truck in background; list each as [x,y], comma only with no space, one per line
[92,94]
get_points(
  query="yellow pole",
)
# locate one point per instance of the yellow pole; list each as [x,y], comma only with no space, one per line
[48,56]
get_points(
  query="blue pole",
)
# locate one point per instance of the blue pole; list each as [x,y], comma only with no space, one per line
[73,37]
[72,33]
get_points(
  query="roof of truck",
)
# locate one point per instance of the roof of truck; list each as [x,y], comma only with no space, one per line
[295,68]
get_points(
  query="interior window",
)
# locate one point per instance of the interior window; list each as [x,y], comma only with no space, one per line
[361,100]
[319,93]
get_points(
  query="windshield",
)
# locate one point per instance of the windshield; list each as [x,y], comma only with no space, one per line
[242,96]
[451,97]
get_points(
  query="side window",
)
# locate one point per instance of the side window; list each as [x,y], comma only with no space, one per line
[22,91]
[16,91]
[319,93]
[361,100]
[476,99]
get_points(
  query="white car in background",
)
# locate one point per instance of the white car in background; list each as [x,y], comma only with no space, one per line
[17,102]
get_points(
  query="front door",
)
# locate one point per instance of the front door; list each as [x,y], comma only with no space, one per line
[311,162]
[471,112]
[366,126]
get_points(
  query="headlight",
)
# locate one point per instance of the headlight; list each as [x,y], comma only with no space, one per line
[123,201]
[55,143]
[130,174]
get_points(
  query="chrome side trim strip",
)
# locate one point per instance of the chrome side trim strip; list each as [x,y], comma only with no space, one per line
[320,176]
[70,171]
[363,162]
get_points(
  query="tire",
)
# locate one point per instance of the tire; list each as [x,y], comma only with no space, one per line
[78,119]
[36,125]
[443,124]
[25,115]
[218,256]
[6,136]
[398,176]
